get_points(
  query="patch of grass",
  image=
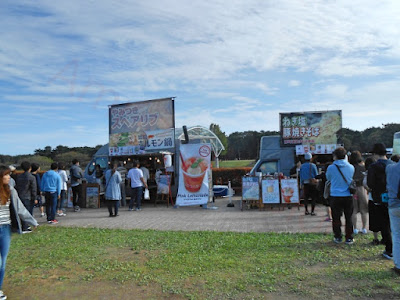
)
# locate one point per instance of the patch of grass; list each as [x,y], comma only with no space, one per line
[196,265]
[234,163]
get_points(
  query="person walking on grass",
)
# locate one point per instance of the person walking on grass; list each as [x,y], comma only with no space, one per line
[12,213]
[340,174]
[376,181]
[136,180]
[51,186]
[113,190]
[76,184]
[308,171]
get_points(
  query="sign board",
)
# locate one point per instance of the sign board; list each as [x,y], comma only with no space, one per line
[193,174]
[290,191]
[270,191]
[316,132]
[250,188]
[92,196]
[141,127]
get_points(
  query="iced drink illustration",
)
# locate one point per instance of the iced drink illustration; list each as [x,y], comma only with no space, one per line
[194,170]
[287,193]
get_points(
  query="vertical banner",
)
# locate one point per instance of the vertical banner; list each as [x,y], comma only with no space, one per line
[195,160]
[270,191]
[290,191]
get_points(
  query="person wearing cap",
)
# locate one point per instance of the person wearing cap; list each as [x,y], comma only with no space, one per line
[340,174]
[308,171]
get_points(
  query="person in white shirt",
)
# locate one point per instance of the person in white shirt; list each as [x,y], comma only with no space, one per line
[136,181]
[63,195]
[146,173]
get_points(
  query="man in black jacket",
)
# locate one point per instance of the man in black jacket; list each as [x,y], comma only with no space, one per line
[27,190]
[376,181]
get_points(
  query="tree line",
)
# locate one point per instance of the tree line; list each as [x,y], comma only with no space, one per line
[238,145]
[246,144]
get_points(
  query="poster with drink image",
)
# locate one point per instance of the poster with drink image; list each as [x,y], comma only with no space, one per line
[194,163]
[270,191]
[289,191]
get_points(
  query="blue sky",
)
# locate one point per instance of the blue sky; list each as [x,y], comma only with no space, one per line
[234,63]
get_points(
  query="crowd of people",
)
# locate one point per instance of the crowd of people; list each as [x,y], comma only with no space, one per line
[352,186]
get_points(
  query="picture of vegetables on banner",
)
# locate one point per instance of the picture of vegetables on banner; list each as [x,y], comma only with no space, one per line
[289,191]
[194,169]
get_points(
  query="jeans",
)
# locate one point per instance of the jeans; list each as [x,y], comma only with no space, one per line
[60,202]
[338,206]
[5,238]
[76,195]
[136,195]
[51,205]
[394,213]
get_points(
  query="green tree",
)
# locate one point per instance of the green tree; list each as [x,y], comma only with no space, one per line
[221,135]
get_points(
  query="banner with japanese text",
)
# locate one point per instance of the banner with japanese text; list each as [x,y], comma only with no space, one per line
[316,131]
[141,127]
[250,188]
[194,166]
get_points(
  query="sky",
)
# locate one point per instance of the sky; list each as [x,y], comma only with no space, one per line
[234,63]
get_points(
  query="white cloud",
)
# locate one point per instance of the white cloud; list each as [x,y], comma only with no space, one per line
[294,83]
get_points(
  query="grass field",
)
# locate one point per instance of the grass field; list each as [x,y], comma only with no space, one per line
[77,263]
[235,163]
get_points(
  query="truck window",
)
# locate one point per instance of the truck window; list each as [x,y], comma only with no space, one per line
[268,167]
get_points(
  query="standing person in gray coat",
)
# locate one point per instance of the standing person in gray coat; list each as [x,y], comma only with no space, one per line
[113,190]
[76,184]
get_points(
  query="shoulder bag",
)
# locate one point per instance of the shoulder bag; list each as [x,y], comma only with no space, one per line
[352,185]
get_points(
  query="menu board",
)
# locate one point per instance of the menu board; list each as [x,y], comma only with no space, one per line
[270,191]
[290,191]
[250,188]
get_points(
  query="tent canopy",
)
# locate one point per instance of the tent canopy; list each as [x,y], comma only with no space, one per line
[201,134]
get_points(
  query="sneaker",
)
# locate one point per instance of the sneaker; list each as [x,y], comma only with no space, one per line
[130,209]
[50,222]
[387,255]
[355,231]
[306,213]
[328,220]
[77,208]
[313,214]
[42,215]
[349,241]
[337,240]
[138,209]
[364,231]
[2,296]
[61,214]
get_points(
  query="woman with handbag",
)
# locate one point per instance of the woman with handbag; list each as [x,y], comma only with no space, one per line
[113,190]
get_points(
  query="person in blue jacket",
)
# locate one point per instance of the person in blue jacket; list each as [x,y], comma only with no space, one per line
[308,171]
[341,199]
[393,188]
